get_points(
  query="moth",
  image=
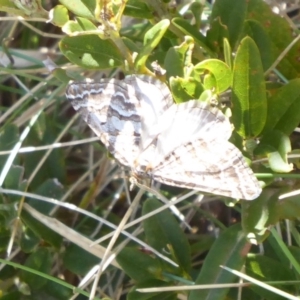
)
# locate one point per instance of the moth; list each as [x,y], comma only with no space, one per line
[184,145]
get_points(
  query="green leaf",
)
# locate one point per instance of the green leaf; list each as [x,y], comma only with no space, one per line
[257,32]
[59,15]
[216,35]
[133,47]
[151,40]
[275,145]
[138,9]
[81,24]
[232,14]
[91,52]
[189,30]
[248,90]
[283,108]
[58,291]
[282,251]
[74,262]
[209,82]
[40,230]
[50,188]
[230,250]
[185,89]
[14,178]
[197,8]
[29,240]
[41,260]
[220,71]
[289,208]
[154,34]
[227,53]
[61,74]
[179,57]
[81,8]
[281,35]
[258,215]
[162,231]
[278,164]
[9,136]
[138,265]
[267,269]
[207,96]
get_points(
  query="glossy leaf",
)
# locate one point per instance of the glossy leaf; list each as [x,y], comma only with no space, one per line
[81,24]
[208,96]
[189,30]
[261,38]
[151,40]
[220,72]
[283,108]
[185,89]
[179,57]
[281,35]
[248,91]
[275,145]
[209,82]
[231,14]
[59,15]
[258,215]
[138,9]
[227,53]
[91,52]
[196,8]
[81,8]
[289,208]
[216,35]
[62,75]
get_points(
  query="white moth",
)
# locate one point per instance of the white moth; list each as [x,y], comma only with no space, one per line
[184,145]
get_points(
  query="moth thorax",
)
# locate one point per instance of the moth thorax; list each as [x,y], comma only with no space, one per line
[144,164]
[142,169]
